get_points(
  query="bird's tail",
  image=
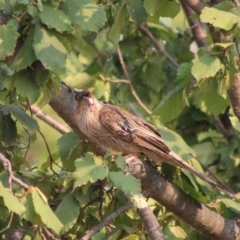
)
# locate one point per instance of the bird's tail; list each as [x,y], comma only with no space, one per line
[173,159]
[190,168]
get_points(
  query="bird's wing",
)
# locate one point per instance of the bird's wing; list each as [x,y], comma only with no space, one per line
[131,129]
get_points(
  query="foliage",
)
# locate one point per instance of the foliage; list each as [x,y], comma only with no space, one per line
[45,42]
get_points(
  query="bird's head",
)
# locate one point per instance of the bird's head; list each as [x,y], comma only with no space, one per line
[87,99]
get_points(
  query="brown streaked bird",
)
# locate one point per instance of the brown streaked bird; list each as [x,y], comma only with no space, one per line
[113,127]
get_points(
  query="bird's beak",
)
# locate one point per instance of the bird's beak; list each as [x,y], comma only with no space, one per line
[89,99]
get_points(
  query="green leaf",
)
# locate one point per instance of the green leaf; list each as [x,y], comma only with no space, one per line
[89,169]
[176,143]
[206,101]
[229,203]
[27,86]
[47,216]
[119,22]
[8,38]
[67,212]
[10,201]
[25,56]
[55,18]
[127,183]
[66,143]
[151,6]
[224,84]
[206,66]
[235,123]
[48,90]
[46,44]
[137,11]
[85,13]
[8,129]
[168,8]
[30,214]
[184,75]
[25,119]
[120,162]
[217,18]
[171,107]
[32,10]
[224,45]
[175,232]
[153,76]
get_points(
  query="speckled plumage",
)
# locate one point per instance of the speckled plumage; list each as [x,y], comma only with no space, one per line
[113,127]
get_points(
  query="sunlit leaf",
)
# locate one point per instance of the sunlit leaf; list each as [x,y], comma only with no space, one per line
[8,38]
[10,201]
[54,18]
[85,13]
[25,56]
[45,213]
[89,169]
[47,44]
[206,66]
[218,18]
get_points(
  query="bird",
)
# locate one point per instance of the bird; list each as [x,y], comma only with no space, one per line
[112,127]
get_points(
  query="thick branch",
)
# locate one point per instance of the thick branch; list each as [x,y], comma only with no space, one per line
[173,198]
[195,5]
[151,224]
[197,28]
[47,119]
[234,94]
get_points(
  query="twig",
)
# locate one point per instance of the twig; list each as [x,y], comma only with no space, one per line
[8,167]
[219,125]
[128,81]
[29,142]
[132,91]
[41,234]
[9,223]
[158,46]
[49,153]
[123,65]
[47,119]
[49,234]
[106,220]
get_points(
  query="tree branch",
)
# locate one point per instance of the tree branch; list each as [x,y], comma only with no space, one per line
[106,220]
[195,5]
[234,94]
[189,210]
[46,118]
[8,167]
[128,81]
[158,46]
[197,28]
